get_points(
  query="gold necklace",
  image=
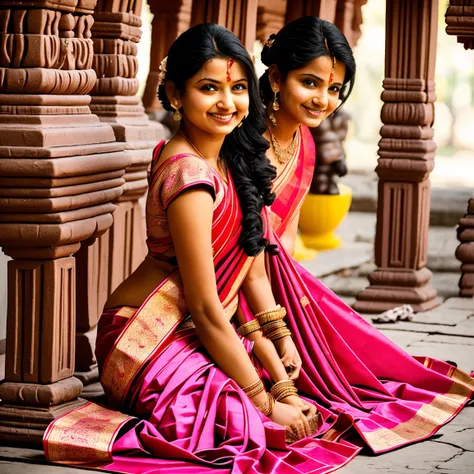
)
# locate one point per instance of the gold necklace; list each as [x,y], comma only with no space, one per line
[222,171]
[284,155]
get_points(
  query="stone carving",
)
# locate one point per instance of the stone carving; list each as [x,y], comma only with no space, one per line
[61,170]
[406,158]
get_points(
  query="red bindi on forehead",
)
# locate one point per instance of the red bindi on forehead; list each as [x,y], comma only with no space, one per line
[230,63]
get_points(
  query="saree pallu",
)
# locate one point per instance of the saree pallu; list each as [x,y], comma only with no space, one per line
[350,368]
[178,411]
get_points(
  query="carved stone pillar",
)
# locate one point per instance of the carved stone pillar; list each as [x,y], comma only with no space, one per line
[406,158]
[115,35]
[238,16]
[270,17]
[460,23]
[170,19]
[324,9]
[60,170]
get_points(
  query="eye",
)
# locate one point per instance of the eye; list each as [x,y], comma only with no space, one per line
[208,88]
[309,82]
[335,89]
[240,87]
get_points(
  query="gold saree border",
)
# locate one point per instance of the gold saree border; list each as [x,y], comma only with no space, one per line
[142,336]
[429,417]
[84,435]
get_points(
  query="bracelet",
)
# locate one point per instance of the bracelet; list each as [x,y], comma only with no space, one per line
[248,328]
[274,314]
[283,389]
[254,388]
[278,334]
[272,326]
[268,406]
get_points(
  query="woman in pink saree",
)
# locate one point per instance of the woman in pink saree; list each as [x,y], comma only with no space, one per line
[372,392]
[183,392]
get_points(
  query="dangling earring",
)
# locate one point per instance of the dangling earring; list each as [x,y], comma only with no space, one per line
[177,115]
[275,106]
[242,121]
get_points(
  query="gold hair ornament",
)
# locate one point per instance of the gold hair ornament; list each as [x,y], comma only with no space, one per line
[162,68]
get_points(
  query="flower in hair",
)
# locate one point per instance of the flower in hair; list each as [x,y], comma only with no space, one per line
[162,75]
[270,41]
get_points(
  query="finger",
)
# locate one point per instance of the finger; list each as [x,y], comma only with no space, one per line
[295,374]
[305,422]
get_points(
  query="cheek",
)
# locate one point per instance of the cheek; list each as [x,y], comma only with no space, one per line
[242,103]
[333,103]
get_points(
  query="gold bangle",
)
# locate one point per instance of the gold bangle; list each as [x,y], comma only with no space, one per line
[254,388]
[248,328]
[268,406]
[271,326]
[278,334]
[283,389]
[266,311]
[276,314]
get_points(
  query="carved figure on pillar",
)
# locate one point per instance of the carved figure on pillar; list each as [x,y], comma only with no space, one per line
[61,169]
[460,23]
[406,159]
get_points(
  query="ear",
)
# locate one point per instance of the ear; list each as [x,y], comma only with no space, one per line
[173,95]
[274,76]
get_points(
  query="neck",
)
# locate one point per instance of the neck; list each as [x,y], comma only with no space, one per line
[209,145]
[286,128]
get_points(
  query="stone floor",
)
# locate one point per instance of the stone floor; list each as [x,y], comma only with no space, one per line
[446,333]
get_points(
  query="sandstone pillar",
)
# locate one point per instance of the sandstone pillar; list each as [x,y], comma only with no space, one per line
[238,16]
[60,171]
[270,17]
[114,256]
[460,23]
[406,158]
[170,19]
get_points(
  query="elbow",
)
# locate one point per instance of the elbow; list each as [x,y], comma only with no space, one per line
[207,313]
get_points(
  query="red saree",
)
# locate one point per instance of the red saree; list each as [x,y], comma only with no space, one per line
[379,394]
[178,411]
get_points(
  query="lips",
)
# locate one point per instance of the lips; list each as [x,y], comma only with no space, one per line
[314,112]
[223,117]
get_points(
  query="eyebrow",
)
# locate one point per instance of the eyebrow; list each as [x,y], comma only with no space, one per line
[219,82]
[321,80]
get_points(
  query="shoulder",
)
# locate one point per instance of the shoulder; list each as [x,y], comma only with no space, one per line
[179,172]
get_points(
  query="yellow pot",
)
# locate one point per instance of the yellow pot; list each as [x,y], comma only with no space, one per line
[301,251]
[321,215]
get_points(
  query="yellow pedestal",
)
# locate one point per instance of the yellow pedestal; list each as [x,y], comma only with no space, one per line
[301,251]
[321,215]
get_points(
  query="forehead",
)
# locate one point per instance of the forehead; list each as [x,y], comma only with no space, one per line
[217,68]
[322,67]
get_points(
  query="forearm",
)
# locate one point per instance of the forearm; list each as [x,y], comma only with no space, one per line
[225,348]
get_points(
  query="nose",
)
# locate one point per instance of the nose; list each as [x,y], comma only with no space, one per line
[226,101]
[321,100]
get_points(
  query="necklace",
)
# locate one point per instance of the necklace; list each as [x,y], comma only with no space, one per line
[221,170]
[284,155]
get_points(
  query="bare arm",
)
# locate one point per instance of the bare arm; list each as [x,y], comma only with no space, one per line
[190,220]
[289,236]
[258,292]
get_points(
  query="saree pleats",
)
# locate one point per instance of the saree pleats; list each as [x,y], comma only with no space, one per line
[392,398]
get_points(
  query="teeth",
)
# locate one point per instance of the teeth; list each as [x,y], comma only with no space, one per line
[223,117]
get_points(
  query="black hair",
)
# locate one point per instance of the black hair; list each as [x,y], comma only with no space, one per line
[301,41]
[244,148]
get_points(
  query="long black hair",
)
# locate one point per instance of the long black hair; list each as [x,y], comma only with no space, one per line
[243,149]
[301,41]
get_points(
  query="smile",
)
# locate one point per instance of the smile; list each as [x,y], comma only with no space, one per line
[314,112]
[223,118]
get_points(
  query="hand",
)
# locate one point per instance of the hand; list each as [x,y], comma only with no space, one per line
[289,356]
[308,409]
[285,415]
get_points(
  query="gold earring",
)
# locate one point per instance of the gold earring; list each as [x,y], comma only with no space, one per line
[275,105]
[242,121]
[177,115]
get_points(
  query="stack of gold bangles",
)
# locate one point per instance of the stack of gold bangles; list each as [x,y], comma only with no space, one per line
[283,389]
[272,324]
[255,389]
[249,327]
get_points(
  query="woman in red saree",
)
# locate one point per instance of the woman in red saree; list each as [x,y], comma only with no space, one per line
[183,392]
[372,392]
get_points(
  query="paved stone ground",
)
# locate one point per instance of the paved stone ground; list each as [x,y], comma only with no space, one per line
[446,333]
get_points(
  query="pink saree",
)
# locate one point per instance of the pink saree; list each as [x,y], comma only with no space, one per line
[369,390]
[173,408]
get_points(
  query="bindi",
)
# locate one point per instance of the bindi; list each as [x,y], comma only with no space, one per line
[230,63]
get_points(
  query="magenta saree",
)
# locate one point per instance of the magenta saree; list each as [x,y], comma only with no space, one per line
[375,392]
[175,410]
